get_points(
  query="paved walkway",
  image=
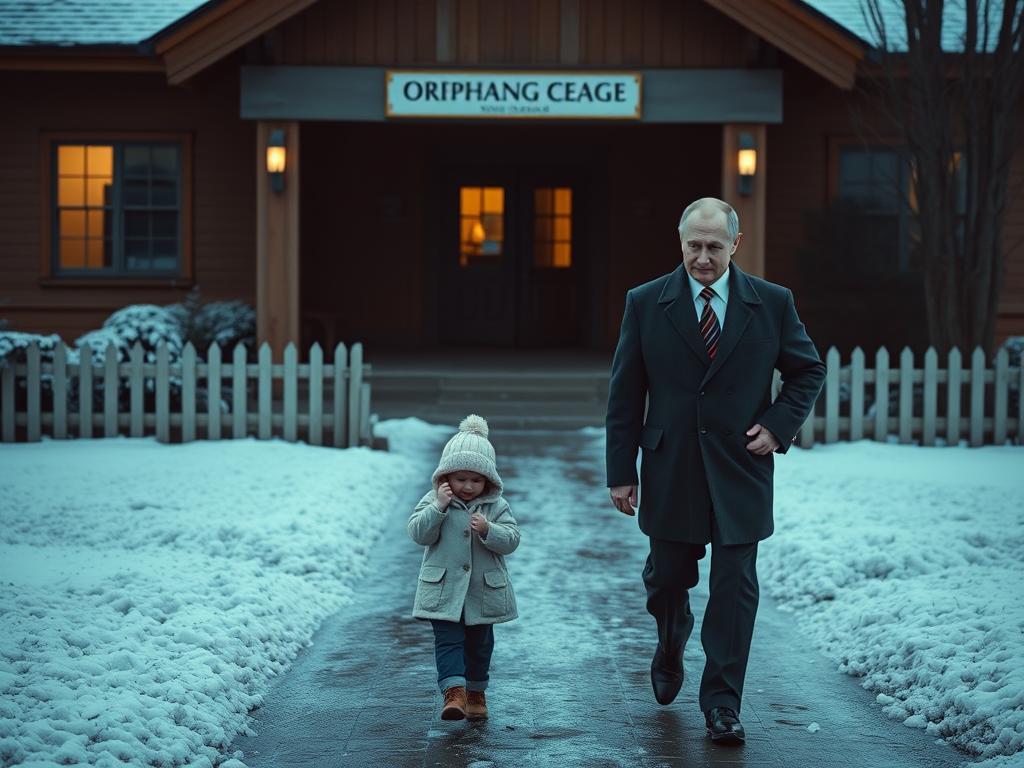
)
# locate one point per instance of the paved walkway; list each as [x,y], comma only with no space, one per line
[570,682]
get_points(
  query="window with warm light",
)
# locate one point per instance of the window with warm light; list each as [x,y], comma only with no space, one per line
[481,225]
[552,227]
[117,208]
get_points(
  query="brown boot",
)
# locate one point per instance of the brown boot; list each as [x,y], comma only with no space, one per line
[476,705]
[454,703]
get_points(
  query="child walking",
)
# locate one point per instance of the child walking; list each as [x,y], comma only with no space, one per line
[464,590]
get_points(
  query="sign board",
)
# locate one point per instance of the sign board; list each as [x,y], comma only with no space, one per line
[502,95]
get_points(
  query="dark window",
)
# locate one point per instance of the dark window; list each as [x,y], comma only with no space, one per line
[117,208]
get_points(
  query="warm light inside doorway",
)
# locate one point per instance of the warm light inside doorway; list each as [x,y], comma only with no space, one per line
[85,178]
[481,225]
[552,231]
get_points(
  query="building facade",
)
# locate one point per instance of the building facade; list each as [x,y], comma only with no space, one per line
[440,173]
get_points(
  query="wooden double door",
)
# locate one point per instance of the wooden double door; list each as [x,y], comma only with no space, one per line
[512,261]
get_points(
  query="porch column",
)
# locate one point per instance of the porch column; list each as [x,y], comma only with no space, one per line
[277,242]
[751,207]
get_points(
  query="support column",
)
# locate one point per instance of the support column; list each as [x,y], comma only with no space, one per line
[277,243]
[751,208]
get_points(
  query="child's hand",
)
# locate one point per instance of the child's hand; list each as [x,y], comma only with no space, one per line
[479,524]
[444,496]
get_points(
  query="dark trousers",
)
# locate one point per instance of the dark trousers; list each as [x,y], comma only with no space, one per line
[463,654]
[728,625]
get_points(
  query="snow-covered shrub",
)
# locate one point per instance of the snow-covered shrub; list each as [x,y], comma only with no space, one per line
[226,323]
[147,324]
[14,351]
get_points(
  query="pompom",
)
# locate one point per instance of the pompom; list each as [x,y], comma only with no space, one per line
[474,424]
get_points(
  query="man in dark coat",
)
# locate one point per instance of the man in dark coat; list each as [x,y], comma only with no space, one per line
[699,345]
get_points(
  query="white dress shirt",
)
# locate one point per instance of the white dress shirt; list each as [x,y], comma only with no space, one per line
[718,302]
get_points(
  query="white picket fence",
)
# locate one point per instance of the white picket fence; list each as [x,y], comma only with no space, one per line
[334,396]
[955,403]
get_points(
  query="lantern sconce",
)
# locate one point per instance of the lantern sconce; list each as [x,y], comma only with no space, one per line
[277,159]
[746,160]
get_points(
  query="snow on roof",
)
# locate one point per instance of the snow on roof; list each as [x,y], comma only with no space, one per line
[87,22]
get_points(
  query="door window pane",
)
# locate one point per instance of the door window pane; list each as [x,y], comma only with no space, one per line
[552,227]
[481,225]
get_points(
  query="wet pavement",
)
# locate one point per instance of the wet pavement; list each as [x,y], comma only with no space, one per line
[570,681]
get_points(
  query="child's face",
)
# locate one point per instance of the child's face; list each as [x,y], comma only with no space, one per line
[467,485]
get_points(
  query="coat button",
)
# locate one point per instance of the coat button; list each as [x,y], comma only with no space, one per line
[466,567]
[703,430]
[702,393]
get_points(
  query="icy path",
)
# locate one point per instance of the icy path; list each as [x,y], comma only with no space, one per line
[570,679]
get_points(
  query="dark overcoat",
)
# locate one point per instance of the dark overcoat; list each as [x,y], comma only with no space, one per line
[695,460]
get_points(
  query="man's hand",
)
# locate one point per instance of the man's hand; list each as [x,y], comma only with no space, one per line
[444,496]
[479,524]
[624,498]
[764,441]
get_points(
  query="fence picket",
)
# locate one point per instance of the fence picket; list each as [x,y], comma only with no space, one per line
[7,401]
[111,390]
[33,381]
[85,392]
[906,412]
[931,387]
[832,395]
[239,393]
[364,414]
[977,396]
[882,395]
[355,391]
[60,392]
[291,395]
[1001,387]
[954,391]
[137,386]
[163,394]
[188,393]
[316,395]
[857,394]
[340,424]
[265,387]
[213,375]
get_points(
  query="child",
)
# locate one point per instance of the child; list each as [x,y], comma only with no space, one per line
[464,589]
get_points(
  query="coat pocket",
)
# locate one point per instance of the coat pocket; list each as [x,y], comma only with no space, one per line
[431,586]
[495,602]
[650,438]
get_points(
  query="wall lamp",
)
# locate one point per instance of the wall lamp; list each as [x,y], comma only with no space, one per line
[746,161]
[277,159]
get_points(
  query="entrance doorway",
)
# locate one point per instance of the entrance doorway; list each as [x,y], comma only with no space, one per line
[511,257]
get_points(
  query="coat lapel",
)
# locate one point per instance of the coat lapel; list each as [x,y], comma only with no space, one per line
[676,299]
[737,316]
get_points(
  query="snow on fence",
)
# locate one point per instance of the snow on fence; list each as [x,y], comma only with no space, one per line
[927,405]
[242,399]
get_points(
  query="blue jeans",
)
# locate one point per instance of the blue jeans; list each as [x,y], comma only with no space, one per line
[463,654]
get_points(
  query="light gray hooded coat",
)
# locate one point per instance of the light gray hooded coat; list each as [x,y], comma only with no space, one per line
[461,571]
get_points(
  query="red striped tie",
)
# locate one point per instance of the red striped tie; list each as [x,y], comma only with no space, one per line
[710,331]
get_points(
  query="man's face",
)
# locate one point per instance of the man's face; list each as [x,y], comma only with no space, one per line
[466,485]
[707,249]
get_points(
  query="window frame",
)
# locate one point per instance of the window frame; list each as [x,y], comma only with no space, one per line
[50,273]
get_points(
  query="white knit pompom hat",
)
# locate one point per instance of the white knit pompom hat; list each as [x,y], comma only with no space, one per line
[469,450]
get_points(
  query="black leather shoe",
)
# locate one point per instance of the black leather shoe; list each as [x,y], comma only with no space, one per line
[666,676]
[724,726]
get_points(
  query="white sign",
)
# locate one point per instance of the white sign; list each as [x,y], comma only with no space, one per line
[594,95]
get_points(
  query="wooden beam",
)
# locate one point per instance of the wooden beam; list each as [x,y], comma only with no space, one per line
[751,208]
[212,42]
[82,63]
[277,243]
[799,34]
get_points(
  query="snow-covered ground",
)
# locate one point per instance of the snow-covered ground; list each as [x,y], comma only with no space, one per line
[906,566]
[149,593]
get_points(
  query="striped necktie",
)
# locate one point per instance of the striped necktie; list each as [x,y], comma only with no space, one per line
[710,330]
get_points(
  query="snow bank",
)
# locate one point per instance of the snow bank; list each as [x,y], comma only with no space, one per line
[905,566]
[149,593]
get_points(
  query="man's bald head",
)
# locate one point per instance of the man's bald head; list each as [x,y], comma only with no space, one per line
[708,208]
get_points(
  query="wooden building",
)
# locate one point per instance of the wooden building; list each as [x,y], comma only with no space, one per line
[318,159]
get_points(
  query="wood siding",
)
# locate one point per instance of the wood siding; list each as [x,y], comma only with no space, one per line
[534,33]
[223,190]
